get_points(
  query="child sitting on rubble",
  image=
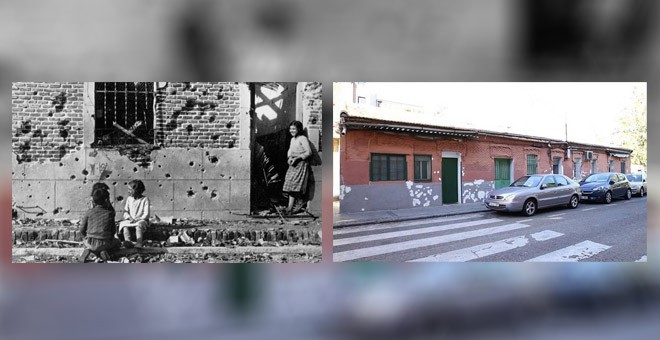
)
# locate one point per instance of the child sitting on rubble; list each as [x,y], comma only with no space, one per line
[100,186]
[98,228]
[136,213]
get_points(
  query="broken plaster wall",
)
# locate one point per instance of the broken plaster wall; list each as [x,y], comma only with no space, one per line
[201,168]
[476,191]
[360,198]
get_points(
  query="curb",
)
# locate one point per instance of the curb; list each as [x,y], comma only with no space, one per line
[354,223]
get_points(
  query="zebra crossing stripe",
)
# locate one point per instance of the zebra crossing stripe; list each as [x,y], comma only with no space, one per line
[383,226]
[545,235]
[472,253]
[395,234]
[572,253]
[354,254]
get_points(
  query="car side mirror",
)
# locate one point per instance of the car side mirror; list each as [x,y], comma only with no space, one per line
[543,186]
[611,182]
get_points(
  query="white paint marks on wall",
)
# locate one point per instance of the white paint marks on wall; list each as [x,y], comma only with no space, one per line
[421,194]
[479,182]
[416,202]
[481,195]
[435,198]
[476,191]
[427,203]
[642,259]
[343,190]
[409,184]
[366,198]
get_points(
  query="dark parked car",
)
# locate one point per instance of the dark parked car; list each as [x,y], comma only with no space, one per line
[531,192]
[605,186]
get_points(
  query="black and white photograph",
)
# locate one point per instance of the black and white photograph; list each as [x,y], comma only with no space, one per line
[182,172]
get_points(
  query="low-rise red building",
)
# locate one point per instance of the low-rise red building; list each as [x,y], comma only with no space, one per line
[389,164]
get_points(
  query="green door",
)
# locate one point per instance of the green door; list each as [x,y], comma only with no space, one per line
[502,172]
[449,180]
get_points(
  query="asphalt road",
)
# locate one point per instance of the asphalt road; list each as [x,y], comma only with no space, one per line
[594,232]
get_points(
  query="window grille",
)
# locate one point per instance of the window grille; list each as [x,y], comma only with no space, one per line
[124,113]
[532,164]
[422,168]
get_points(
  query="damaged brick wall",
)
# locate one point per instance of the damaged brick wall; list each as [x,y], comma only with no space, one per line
[198,114]
[47,120]
[312,106]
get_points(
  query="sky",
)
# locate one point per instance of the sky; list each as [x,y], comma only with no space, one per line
[590,111]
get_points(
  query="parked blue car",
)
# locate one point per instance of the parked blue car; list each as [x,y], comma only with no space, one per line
[605,186]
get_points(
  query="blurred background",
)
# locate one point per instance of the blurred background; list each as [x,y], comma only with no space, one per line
[331,40]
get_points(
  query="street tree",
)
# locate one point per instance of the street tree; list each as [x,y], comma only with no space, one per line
[631,133]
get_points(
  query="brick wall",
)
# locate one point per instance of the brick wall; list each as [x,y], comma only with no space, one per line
[477,156]
[199,115]
[47,120]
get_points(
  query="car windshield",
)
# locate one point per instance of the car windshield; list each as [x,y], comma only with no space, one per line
[527,181]
[634,178]
[597,178]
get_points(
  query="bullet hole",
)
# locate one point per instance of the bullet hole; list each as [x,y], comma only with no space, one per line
[62,150]
[76,159]
[26,126]
[191,193]
[37,134]
[34,93]
[61,164]
[120,198]
[59,102]
[191,163]
[211,119]
[29,196]
[114,183]
[50,114]
[135,169]
[125,183]
[213,159]
[48,197]
[85,172]
[229,125]
[64,133]
[229,177]
[205,188]
[160,185]
[160,166]
[107,176]
[29,184]
[57,210]
[220,95]
[230,144]
[215,137]
[63,122]
[206,153]
[214,194]
[171,125]
[189,128]
[167,176]
[73,177]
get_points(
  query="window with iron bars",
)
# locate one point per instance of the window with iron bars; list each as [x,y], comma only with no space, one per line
[532,164]
[124,113]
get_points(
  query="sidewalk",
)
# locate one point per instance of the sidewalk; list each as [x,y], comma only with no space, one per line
[382,216]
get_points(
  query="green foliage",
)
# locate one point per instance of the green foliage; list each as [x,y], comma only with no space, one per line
[632,131]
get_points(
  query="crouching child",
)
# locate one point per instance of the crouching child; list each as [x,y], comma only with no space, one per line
[98,228]
[136,213]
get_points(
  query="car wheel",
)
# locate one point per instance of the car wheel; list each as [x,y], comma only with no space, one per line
[529,208]
[574,202]
[608,197]
[641,192]
[628,194]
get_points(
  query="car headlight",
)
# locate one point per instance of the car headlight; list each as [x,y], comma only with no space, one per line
[508,198]
[600,188]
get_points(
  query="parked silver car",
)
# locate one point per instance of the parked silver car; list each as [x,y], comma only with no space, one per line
[532,192]
[637,184]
